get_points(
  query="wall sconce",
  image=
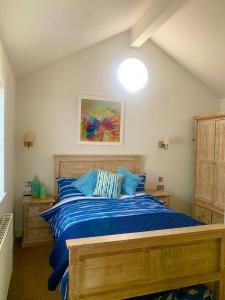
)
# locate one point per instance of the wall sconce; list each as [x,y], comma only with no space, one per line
[28,140]
[164,144]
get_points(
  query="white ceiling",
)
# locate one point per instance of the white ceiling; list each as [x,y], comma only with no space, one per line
[38,32]
[195,37]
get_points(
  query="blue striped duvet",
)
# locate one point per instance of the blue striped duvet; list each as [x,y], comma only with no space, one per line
[81,216]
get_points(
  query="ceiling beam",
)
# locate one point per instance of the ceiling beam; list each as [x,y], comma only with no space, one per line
[157,13]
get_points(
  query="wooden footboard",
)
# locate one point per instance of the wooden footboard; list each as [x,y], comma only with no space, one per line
[127,265]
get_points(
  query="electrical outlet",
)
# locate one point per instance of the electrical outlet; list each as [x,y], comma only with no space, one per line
[160,187]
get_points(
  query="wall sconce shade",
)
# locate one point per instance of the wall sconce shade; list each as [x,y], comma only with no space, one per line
[164,144]
[28,140]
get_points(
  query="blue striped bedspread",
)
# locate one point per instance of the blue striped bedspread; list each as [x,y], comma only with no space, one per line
[79,217]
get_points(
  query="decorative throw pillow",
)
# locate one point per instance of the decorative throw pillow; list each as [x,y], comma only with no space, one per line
[196,292]
[86,183]
[108,184]
[141,186]
[65,189]
[130,182]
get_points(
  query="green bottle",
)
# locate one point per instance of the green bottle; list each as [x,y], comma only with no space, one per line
[35,187]
[43,191]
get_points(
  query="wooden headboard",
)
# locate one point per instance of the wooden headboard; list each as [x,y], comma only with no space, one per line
[76,165]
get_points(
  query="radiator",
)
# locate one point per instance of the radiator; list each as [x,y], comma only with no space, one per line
[6,254]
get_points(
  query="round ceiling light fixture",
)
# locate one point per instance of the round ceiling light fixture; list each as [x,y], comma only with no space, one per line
[133,74]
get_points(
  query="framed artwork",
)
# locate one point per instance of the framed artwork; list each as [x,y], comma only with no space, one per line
[100,121]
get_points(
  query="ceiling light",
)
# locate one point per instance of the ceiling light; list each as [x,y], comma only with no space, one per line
[133,74]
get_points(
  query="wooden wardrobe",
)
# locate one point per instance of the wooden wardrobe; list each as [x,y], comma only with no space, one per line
[209,186]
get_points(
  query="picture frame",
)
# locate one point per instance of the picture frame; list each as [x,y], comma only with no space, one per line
[100,120]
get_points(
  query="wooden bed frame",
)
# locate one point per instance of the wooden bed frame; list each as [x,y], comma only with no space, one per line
[128,265]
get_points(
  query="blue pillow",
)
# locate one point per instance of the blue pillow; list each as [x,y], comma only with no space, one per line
[141,186]
[130,182]
[65,189]
[86,183]
[108,184]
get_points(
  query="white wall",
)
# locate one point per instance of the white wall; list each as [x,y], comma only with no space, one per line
[8,80]
[47,107]
[222,104]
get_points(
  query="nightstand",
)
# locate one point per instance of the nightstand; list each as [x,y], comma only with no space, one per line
[161,195]
[35,229]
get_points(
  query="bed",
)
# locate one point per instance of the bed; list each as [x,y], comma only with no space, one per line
[143,261]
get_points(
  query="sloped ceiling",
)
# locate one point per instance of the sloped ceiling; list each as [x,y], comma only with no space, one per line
[195,37]
[36,33]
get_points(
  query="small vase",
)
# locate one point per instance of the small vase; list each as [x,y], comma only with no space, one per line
[35,187]
[43,191]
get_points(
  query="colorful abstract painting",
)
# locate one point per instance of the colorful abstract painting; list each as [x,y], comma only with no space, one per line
[100,121]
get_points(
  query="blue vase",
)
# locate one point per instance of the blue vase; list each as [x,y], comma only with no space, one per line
[35,187]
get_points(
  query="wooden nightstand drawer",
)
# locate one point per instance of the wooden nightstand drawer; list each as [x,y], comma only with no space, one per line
[36,210]
[38,234]
[36,222]
[36,230]
[161,195]
[203,214]
[217,218]
[166,201]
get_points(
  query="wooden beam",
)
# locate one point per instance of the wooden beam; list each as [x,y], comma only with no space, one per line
[158,12]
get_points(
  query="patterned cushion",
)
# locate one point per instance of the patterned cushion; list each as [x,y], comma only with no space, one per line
[130,182]
[197,292]
[65,189]
[141,186]
[168,295]
[108,184]
[86,183]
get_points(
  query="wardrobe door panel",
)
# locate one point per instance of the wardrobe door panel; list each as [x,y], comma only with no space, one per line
[219,168]
[204,181]
[205,154]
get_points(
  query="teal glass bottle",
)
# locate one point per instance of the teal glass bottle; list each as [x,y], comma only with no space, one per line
[35,187]
[43,191]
